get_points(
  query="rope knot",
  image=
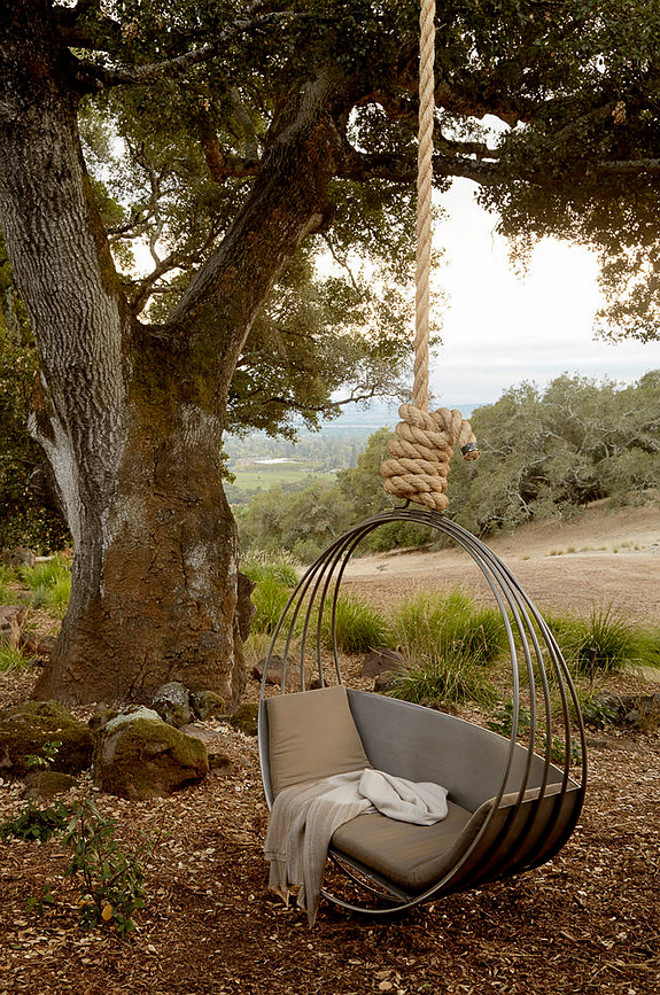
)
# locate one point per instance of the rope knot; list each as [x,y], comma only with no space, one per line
[420,452]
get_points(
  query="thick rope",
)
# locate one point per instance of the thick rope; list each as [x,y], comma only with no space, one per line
[420,453]
[424,208]
[423,444]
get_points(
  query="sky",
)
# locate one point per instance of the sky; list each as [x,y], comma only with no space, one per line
[500,329]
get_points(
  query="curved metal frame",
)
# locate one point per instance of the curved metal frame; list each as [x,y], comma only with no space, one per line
[322,582]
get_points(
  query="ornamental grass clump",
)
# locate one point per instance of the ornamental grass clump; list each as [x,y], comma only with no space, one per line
[443,680]
[359,628]
[447,626]
[274,579]
[448,641]
[603,643]
[13,659]
[7,576]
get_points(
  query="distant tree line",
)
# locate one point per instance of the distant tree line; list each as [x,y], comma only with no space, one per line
[545,454]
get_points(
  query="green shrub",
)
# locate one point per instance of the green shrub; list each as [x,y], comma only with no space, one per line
[358,627]
[449,626]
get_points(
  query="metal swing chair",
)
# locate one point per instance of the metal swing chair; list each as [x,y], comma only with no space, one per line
[510,808]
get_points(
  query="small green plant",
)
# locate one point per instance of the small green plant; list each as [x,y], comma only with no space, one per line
[111,883]
[502,721]
[49,751]
[12,659]
[34,823]
[358,627]
[595,713]
[49,583]
[42,902]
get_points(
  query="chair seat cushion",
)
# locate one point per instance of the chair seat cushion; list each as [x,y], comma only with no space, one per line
[312,735]
[413,857]
[416,857]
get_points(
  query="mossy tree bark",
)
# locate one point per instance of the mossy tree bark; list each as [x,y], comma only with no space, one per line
[131,416]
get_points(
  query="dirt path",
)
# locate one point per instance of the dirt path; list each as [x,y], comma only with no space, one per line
[599,559]
[630,582]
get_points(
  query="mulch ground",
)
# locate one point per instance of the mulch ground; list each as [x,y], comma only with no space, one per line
[586,922]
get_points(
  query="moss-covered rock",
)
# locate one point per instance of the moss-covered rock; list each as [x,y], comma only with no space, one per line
[207,703]
[139,757]
[25,729]
[172,702]
[47,784]
[245,718]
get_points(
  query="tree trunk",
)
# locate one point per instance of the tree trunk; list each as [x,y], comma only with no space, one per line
[135,457]
[131,418]
[154,589]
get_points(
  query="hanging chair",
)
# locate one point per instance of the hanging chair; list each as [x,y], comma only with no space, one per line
[510,808]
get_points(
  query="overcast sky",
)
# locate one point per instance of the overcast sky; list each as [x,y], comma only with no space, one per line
[500,329]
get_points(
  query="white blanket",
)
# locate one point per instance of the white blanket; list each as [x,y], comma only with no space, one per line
[305,816]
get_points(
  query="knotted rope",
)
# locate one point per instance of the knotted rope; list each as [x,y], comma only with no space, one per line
[423,444]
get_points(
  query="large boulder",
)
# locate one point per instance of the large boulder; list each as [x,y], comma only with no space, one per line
[25,729]
[138,756]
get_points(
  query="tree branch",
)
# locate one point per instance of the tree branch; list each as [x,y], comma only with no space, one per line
[86,26]
[100,77]
[221,165]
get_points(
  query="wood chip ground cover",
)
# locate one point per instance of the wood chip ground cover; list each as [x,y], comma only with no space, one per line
[587,922]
